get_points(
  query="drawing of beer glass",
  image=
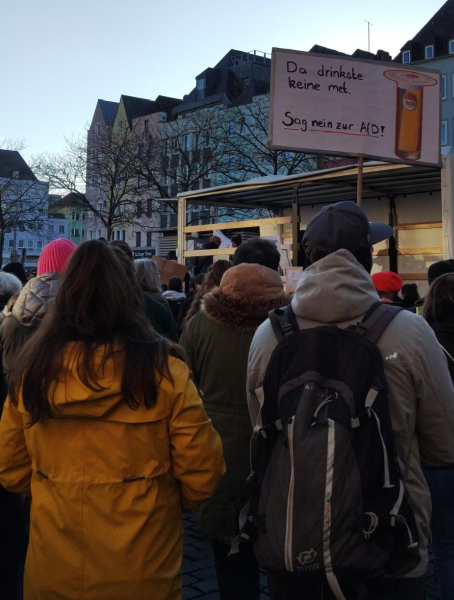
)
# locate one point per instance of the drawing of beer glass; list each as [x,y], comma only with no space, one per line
[410,90]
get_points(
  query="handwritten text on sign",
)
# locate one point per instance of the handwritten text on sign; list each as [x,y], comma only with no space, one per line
[331,105]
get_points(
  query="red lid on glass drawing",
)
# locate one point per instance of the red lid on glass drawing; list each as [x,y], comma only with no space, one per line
[410,79]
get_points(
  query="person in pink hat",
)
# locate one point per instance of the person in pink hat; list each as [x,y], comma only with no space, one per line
[34,300]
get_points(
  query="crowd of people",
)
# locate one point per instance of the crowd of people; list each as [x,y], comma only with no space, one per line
[126,402]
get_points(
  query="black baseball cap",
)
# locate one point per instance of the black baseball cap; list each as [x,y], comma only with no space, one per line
[344,225]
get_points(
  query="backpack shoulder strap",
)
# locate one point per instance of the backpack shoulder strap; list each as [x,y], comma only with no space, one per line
[376,320]
[283,322]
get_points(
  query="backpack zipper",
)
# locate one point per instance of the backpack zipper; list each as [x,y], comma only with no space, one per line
[291,488]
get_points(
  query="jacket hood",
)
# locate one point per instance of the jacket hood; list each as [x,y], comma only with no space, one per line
[334,289]
[172,295]
[70,397]
[245,297]
[35,297]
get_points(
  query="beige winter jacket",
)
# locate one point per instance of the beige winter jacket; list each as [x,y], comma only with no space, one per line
[338,290]
[26,316]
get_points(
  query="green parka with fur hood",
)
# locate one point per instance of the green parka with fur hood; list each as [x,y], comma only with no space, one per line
[217,341]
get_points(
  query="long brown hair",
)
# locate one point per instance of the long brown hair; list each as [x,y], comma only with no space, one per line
[440,298]
[98,307]
[212,280]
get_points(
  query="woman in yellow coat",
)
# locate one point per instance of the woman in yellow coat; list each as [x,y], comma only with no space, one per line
[107,432]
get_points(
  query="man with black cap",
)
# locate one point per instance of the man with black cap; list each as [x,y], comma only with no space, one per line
[336,289]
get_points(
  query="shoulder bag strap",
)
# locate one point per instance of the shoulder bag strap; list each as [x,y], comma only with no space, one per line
[376,320]
[283,322]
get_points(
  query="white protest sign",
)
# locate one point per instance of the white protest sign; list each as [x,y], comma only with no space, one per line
[327,104]
[225,241]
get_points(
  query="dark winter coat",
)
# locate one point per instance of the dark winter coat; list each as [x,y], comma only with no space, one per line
[161,318]
[217,341]
[444,330]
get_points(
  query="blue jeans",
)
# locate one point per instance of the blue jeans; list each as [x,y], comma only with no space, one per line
[441,484]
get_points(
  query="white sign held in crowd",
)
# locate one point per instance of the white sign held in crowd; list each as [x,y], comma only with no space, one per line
[326,104]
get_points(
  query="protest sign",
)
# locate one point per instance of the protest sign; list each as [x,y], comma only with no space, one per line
[326,104]
[169,268]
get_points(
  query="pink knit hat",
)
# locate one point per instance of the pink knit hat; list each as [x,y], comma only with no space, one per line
[55,256]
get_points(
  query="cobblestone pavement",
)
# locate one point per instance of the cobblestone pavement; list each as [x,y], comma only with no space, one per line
[199,575]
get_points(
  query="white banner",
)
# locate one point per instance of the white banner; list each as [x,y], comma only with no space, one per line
[326,104]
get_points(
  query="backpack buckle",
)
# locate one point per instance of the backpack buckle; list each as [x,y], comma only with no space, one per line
[271,430]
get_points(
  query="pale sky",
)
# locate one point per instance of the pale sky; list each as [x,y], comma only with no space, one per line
[59,56]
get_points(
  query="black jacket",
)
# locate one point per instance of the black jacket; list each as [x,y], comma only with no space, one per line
[444,330]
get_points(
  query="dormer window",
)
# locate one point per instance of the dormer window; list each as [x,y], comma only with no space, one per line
[451,46]
[201,87]
[429,52]
[406,57]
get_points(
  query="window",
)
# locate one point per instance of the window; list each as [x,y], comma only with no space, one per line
[149,208]
[98,234]
[201,87]
[187,143]
[41,227]
[21,244]
[207,138]
[406,57]
[451,46]
[232,127]
[90,234]
[429,52]
[145,125]
[139,209]
[77,216]
[31,226]
[51,228]
[100,206]
[138,239]
[443,87]
[243,127]
[10,243]
[74,232]
[15,174]
[30,245]
[148,238]
[61,229]
[165,179]
[444,133]
[39,245]
[98,128]
[244,82]
[139,180]
[123,235]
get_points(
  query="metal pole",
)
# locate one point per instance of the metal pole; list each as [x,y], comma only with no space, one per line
[295,227]
[359,192]
[181,239]
[368,33]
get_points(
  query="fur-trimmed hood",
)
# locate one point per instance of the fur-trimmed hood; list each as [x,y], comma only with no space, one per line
[245,296]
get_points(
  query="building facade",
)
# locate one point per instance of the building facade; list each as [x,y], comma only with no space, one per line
[433,48]
[215,135]
[26,221]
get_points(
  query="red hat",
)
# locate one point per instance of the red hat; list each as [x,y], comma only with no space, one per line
[55,256]
[387,282]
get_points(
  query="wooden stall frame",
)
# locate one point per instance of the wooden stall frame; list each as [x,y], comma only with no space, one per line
[184,229]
